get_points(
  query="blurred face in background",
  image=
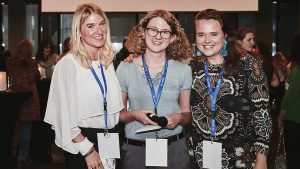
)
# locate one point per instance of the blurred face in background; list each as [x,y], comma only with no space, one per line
[209,37]
[255,50]
[47,50]
[248,42]
[279,59]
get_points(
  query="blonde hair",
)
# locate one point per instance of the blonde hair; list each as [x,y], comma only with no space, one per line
[180,49]
[105,53]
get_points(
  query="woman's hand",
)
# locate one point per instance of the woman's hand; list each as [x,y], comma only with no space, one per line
[129,59]
[93,161]
[141,116]
[261,161]
[174,120]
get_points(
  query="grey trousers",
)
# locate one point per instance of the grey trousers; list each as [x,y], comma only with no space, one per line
[133,157]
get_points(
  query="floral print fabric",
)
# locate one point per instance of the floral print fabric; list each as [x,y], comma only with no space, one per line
[243,123]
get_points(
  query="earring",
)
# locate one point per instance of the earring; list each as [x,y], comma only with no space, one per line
[198,53]
[223,52]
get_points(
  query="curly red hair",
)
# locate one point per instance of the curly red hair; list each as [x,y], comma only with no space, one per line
[179,49]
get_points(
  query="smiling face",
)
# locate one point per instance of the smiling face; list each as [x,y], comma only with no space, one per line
[157,44]
[93,33]
[248,42]
[209,37]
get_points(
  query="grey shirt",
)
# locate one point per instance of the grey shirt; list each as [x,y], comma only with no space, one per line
[133,81]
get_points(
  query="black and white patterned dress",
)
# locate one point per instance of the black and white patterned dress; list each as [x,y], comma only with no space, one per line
[243,124]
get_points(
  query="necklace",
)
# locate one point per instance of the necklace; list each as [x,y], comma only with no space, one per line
[89,64]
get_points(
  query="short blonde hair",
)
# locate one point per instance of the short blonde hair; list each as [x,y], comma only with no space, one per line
[180,49]
[105,53]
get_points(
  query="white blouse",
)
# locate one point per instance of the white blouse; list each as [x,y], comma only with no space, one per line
[75,100]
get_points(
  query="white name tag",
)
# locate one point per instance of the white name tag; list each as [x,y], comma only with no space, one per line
[212,155]
[108,145]
[157,152]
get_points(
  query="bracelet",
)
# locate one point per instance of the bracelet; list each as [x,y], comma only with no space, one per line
[90,151]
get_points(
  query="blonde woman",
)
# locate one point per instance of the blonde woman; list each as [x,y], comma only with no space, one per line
[85,97]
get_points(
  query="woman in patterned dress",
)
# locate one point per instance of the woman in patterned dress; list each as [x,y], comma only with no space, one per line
[242,121]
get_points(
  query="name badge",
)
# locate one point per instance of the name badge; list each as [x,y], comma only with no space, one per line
[212,155]
[108,145]
[157,152]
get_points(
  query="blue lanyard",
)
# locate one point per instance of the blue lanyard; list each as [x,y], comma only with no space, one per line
[155,97]
[103,91]
[213,97]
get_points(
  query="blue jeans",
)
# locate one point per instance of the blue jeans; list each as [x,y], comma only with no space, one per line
[24,139]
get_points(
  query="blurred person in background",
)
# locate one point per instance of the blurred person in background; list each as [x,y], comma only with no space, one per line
[277,88]
[65,47]
[289,116]
[46,58]
[264,54]
[23,71]
[121,55]
[278,81]
[245,38]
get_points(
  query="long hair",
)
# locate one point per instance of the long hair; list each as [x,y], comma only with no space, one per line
[179,49]
[241,32]
[40,52]
[105,53]
[280,63]
[232,60]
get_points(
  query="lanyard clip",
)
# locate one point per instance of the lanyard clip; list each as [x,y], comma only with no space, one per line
[156,135]
[212,138]
[105,106]
[106,133]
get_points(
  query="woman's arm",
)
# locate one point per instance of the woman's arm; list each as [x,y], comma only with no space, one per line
[183,117]
[185,106]
[140,115]
[275,79]
[261,161]
[259,95]
[87,150]
[280,119]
